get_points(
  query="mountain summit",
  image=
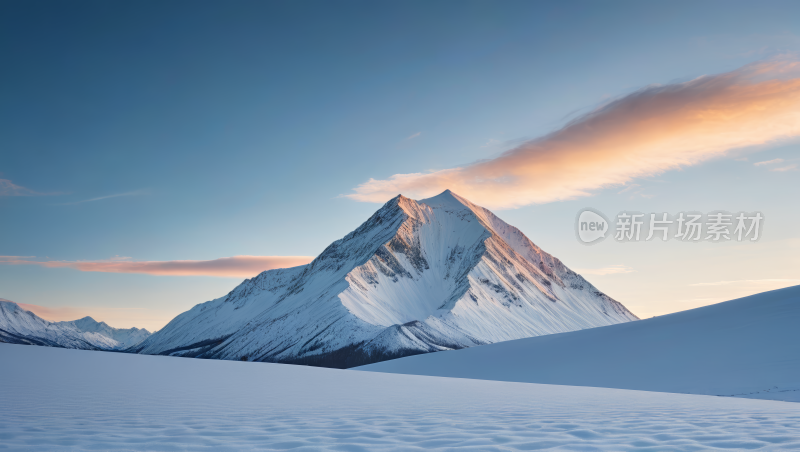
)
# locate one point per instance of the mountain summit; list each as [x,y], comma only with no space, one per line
[416,277]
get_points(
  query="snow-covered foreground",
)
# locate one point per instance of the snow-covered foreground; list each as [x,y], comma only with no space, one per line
[59,399]
[749,347]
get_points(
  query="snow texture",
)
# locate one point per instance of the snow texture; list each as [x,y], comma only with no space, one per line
[748,347]
[57,399]
[417,277]
[18,326]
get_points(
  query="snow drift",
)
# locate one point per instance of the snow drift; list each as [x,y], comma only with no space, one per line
[417,277]
[749,347]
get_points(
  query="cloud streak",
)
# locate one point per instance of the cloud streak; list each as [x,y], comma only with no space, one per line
[768,162]
[8,188]
[749,281]
[648,132]
[791,167]
[99,198]
[226,267]
[610,270]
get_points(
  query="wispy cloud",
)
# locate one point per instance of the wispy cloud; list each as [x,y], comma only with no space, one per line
[226,267]
[100,198]
[748,281]
[610,270]
[703,301]
[8,188]
[120,258]
[656,129]
[628,188]
[414,136]
[768,162]
[635,190]
[773,162]
[791,167]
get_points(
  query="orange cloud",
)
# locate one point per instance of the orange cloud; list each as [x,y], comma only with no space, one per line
[226,267]
[653,130]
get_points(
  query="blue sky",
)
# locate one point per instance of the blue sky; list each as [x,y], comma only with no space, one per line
[164,131]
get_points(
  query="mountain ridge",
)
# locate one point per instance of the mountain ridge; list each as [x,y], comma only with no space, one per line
[126,337]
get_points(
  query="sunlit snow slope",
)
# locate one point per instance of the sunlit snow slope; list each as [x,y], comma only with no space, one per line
[749,347]
[18,326]
[417,277]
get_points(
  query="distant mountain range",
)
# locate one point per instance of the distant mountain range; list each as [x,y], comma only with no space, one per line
[18,326]
[416,277]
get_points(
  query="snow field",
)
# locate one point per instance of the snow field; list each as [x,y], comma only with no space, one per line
[59,399]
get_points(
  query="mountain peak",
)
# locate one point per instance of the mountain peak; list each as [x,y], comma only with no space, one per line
[417,276]
[90,323]
[449,199]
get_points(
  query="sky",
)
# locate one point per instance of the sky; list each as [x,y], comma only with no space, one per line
[154,154]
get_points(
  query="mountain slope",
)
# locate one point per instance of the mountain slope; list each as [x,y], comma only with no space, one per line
[749,347]
[417,277]
[18,326]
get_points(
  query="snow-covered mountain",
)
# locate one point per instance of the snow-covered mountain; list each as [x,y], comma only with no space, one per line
[417,277]
[748,347]
[18,326]
[125,337]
